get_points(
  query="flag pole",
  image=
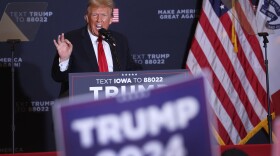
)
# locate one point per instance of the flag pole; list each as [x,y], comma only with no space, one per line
[13,43]
[269,116]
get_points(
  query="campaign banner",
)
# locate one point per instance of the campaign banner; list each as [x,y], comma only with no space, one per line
[167,121]
[21,20]
[111,84]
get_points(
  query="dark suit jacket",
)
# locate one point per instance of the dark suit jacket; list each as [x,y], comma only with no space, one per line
[83,57]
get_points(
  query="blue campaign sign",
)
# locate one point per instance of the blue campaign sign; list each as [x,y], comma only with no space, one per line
[171,120]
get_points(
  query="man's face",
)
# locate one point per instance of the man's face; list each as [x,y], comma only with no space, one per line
[98,17]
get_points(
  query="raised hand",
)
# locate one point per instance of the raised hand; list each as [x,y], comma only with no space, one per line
[63,46]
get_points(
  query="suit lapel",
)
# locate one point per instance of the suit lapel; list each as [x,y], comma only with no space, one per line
[88,47]
[114,58]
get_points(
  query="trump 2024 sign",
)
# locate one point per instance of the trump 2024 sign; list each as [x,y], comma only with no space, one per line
[167,121]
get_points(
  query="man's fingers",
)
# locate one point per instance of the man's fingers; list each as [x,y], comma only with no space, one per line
[68,42]
[62,42]
[62,37]
[58,39]
[55,43]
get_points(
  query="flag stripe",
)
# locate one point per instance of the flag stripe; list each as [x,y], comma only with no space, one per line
[251,29]
[217,108]
[115,15]
[231,81]
[238,92]
[258,60]
[249,81]
[203,62]
[252,41]
[250,44]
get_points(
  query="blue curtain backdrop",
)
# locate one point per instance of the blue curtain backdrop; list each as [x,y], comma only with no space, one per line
[159,34]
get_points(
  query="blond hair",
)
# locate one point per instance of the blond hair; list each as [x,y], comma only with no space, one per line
[99,3]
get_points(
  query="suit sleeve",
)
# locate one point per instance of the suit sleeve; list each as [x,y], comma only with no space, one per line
[57,75]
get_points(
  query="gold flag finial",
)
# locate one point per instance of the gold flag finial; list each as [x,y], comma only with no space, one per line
[233,32]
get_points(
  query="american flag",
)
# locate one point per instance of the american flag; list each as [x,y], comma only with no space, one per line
[115,15]
[225,44]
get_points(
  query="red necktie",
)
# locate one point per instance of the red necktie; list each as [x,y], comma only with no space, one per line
[102,62]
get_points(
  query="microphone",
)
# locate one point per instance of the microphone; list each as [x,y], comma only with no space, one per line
[107,36]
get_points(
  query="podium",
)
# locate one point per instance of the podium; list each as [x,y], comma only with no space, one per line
[110,84]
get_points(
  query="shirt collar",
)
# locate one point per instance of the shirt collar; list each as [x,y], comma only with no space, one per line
[93,37]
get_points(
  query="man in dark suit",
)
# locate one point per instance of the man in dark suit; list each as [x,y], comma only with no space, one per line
[78,50]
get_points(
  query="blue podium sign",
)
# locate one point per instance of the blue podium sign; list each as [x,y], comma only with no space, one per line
[111,84]
[165,121]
